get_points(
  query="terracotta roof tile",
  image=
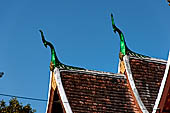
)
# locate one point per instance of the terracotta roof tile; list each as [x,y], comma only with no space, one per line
[147,75]
[94,92]
[166,108]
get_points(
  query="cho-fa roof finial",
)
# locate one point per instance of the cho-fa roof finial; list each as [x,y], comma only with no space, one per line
[124,50]
[123,46]
[54,60]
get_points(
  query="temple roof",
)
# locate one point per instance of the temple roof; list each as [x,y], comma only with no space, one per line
[147,74]
[141,86]
[97,92]
[136,90]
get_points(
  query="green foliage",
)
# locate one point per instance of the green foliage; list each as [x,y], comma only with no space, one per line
[15,107]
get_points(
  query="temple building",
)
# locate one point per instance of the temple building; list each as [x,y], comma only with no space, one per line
[142,85]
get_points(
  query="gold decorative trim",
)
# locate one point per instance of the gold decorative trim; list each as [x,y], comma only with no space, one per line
[53,82]
[122,67]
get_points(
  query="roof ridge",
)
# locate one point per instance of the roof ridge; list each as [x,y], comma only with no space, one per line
[150,59]
[94,72]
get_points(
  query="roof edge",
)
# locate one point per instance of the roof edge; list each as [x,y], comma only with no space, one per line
[150,59]
[132,85]
[61,91]
[163,83]
[95,72]
[49,91]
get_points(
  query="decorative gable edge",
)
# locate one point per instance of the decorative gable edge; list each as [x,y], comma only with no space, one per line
[60,89]
[162,87]
[132,85]
[49,91]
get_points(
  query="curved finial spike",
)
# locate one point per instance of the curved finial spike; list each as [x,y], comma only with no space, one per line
[113,24]
[54,58]
[43,39]
[122,40]
[123,47]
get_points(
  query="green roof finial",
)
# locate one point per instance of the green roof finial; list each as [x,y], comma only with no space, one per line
[54,60]
[124,50]
[122,40]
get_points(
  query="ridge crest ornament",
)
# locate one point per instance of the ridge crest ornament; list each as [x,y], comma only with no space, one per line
[54,60]
[124,50]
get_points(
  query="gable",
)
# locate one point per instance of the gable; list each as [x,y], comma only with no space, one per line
[89,91]
[147,74]
[163,100]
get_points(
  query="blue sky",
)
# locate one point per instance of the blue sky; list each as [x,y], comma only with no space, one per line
[82,34]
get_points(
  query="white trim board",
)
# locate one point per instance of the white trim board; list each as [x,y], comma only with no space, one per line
[161,89]
[132,84]
[49,91]
[61,91]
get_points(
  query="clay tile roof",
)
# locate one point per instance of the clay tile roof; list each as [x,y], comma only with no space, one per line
[97,92]
[90,92]
[166,108]
[81,91]
[147,74]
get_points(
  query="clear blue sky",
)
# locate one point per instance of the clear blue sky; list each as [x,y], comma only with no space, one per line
[82,34]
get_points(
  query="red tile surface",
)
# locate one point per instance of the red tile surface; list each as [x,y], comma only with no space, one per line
[147,76]
[97,93]
[166,108]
